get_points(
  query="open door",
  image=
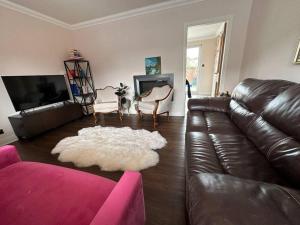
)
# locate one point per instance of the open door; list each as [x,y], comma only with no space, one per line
[219,62]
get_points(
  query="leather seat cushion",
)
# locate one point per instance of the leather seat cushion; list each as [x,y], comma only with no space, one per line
[282,151]
[200,154]
[215,145]
[211,122]
[218,122]
[216,199]
[196,121]
[239,157]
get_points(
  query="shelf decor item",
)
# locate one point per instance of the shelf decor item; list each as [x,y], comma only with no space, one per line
[297,57]
[81,83]
[121,92]
[75,90]
[75,54]
[153,65]
[71,74]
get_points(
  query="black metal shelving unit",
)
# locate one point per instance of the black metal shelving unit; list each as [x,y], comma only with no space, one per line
[81,83]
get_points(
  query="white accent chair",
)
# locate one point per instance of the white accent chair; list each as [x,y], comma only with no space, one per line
[156,102]
[106,102]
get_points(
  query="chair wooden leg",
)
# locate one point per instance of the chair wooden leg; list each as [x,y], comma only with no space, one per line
[95,117]
[168,116]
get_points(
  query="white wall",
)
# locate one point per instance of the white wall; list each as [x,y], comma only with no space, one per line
[117,50]
[28,46]
[273,36]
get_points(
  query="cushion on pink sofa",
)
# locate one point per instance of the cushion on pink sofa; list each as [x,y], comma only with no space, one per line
[35,193]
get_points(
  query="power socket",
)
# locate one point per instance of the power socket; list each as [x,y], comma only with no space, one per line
[1,131]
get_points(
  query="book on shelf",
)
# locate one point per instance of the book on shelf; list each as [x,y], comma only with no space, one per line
[81,73]
[71,74]
[75,89]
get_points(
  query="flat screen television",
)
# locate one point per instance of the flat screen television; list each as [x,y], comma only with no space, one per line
[28,92]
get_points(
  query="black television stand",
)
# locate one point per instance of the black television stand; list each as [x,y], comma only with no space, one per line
[31,123]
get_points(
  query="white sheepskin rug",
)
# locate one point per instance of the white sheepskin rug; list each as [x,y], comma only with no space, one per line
[111,148]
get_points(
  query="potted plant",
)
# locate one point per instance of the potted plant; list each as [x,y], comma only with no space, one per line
[121,92]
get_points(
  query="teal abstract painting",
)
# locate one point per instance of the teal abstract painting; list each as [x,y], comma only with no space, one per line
[153,65]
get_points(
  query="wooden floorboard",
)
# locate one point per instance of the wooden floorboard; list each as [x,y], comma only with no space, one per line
[163,184]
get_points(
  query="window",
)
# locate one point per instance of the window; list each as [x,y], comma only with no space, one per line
[192,67]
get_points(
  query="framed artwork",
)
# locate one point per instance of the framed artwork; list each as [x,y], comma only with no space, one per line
[297,57]
[153,65]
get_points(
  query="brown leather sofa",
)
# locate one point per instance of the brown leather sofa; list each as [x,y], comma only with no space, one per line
[243,156]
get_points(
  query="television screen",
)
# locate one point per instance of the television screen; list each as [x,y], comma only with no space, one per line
[28,92]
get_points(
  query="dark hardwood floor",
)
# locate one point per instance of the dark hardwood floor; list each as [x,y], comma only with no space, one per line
[163,184]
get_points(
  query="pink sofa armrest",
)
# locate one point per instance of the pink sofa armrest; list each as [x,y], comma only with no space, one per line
[125,204]
[8,155]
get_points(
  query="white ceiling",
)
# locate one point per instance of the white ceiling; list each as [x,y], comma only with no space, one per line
[206,31]
[77,11]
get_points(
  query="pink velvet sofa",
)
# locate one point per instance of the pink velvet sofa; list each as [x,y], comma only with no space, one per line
[34,193]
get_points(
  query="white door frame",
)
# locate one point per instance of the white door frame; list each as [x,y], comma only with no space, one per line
[229,20]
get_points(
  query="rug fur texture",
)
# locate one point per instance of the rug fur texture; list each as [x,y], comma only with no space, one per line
[111,148]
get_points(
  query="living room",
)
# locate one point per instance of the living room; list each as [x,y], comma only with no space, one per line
[116,38]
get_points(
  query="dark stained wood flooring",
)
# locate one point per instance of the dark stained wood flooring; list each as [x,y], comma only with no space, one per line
[163,184]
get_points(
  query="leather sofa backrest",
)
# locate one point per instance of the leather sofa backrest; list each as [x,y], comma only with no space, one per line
[256,94]
[275,127]
[284,111]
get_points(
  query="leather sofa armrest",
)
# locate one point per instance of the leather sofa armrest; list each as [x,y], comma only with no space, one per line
[125,204]
[8,156]
[217,104]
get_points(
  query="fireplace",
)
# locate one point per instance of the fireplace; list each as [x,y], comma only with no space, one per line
[144,83]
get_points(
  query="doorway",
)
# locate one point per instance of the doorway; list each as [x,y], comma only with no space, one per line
[204,59]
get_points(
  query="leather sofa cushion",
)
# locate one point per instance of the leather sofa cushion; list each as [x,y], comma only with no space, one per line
[241,116]
[239,157]
[284,112]
[211,122]
[282,151]
[260,132]
[216,199]
[200,154]
[214,144]
[217,104]
[196,121]
[218,122]
[256,94]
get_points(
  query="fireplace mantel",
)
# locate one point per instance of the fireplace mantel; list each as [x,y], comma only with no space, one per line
[143,83]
